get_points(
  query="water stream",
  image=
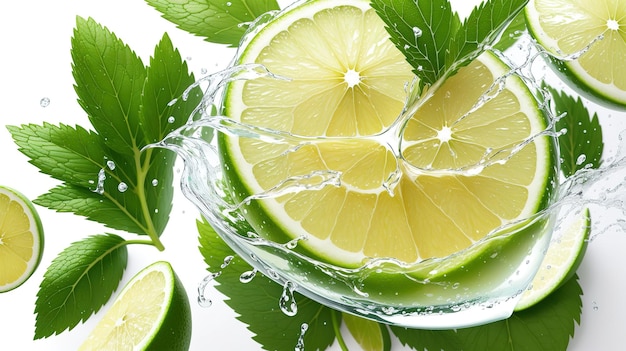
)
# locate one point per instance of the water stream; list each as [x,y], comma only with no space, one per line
[434,293]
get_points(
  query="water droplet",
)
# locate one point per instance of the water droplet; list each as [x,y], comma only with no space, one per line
[300,344]
[246,277]
[229,4]
[155,182]
[293,243]
[595,306]
[287,303]
[172,103]
[44,102]
[111,165]
[171,119]
[122,187]
[100,183]
[203,300]
[227,261]
[581,159]
[417,32]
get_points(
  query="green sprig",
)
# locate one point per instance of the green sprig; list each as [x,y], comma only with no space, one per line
[107,174]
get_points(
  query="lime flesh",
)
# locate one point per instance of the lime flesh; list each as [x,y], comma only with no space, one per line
[21,239]
[347,83]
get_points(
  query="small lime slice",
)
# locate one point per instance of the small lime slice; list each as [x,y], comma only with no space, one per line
[560,263]
[21,239]
[568,28]
[151,313]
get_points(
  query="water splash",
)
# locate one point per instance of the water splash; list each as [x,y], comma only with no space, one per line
[300,343]
[203,299]
[247,276]
[287,302]
[349,289]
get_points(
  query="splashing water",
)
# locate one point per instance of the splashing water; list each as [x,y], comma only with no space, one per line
[287,301]
[203,299]
[300,343]
[358,290]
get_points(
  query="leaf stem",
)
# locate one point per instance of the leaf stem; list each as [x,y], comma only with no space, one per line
[141,188]
[141,242]
[336,317]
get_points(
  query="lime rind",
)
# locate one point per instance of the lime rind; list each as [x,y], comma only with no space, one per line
[560,263]
[169,330]
[570,70]
[36,229]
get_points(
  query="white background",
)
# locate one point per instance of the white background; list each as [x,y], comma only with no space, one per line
[35,63]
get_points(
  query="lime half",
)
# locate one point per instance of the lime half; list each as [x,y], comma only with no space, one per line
[560,263]
[568,27]
[152,312]
[21,239]
[347,84]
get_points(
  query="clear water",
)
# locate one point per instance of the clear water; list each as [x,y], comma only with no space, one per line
[428,294]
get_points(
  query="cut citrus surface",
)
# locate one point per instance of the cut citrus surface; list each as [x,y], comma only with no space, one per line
[346,87]
[566,27]
[21,239]
[152,312]
[560,263]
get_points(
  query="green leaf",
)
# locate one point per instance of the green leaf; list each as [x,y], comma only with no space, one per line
[256,302]
[433,38]
[482,29]
[79,282]
[73,155]
[422,31]
[421,340]
[370,335]
[512,32]
[582,145]
[167,102]
[107,177]
[219,21]
[109,80]
[93,206]
[547,326]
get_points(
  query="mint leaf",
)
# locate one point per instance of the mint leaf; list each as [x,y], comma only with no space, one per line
[109,79]
[422,31]
[433,38]
[582,145]
[219,21]
[166,105]
[421,340]
[107,176]
[78,282]
[512,32]
[547,326]
[482,29]
[370,335]
[256,302]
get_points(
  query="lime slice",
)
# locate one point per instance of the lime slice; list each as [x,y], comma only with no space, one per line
[560,263]
[21,239]
[347,84]
[152,312]
[565,27]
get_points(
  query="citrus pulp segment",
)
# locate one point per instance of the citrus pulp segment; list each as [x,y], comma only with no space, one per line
[563,257]
[152,312]
[21,239]
[346,87]
[566,27]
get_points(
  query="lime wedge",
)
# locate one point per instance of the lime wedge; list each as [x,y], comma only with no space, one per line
[152,312]
[560,263]
[568,27]
[21,239]
[347,84]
